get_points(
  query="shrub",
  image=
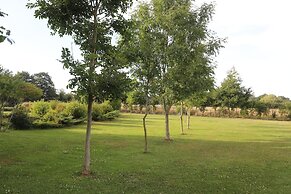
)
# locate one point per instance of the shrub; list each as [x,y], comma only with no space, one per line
[99,110]
[111,115]
[76,110]
[51,116]
[38,124]
[96,112]
[116,104]
[20,118]
[105,107]
[40,108]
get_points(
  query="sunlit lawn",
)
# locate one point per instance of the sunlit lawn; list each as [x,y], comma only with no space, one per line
[215,156]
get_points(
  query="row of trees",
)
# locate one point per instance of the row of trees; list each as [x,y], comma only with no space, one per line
[231,99]
[166,44]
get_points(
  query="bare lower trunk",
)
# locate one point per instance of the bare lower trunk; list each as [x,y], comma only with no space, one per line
[167,126]
[86,167]
[167,110]
[145,133]
[181,119]
[188,118]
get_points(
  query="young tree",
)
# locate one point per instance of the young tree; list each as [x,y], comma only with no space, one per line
[183,48]
[137,46]
[92,24]
[231,93]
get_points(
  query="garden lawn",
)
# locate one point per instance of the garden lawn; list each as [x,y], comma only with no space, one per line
[215,156]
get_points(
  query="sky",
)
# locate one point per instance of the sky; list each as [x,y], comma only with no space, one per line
[257,32]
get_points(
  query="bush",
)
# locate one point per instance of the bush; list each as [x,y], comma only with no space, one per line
[116,104]
[99,110]
[20,119]
[76,110]
[51,116]
[40,108]
[111,115]
[38,124]
[96,112]
[105,107]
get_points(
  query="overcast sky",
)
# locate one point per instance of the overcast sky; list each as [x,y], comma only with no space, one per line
[258,33]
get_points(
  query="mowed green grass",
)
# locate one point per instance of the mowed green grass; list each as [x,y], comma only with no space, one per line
[215,156]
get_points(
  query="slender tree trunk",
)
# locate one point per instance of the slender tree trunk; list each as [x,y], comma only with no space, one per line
[167,110]
[181,119]
[145,133]
[86,167]
[188,117]
[87,158]
[168,138]
[144,123]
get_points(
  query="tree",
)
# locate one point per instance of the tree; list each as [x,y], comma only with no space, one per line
[182,48]
[4,33]
[28,92]
[25,76]
[65,97]
[137,46]
[231,93]
[92,24]
[44,81]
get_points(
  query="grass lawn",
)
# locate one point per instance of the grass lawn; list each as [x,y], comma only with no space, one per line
[216,156]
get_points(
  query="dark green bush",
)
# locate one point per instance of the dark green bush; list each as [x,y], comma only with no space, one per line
[20,119]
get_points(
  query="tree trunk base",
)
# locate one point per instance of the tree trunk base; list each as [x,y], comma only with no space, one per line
[183,133]
[168,139]
[85,173]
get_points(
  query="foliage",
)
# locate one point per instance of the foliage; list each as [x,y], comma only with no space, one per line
[20,118]
[40,109]
[39,124]
[65,97]
[76,109]
[116,104]
[43,80]
[136,97]
[231,93]
[4,33]
[28,92]
[99,110]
